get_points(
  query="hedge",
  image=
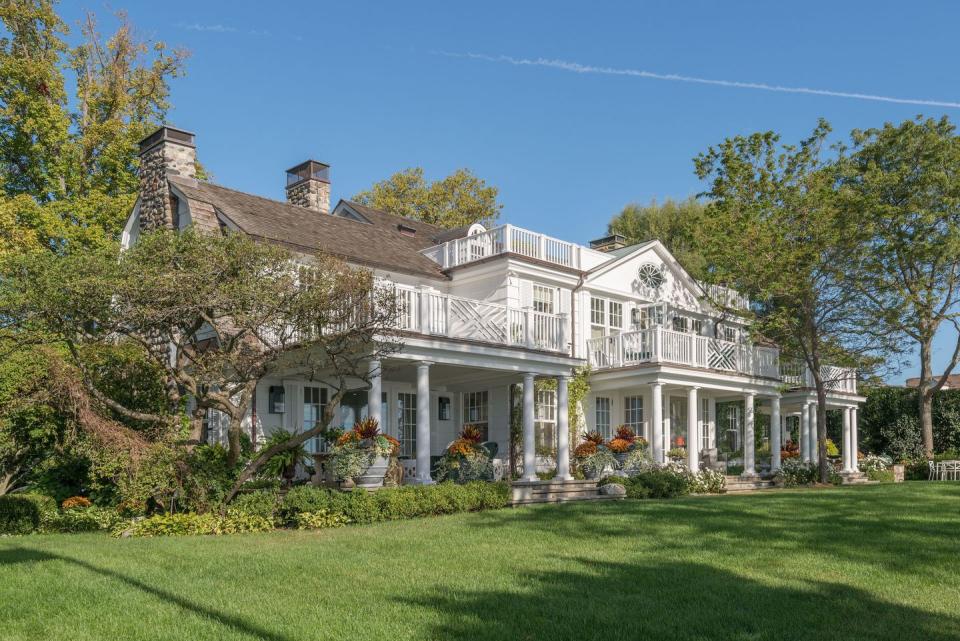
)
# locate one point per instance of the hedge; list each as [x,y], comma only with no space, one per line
[25,513]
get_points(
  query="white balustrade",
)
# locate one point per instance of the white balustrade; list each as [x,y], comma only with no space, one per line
[434,313]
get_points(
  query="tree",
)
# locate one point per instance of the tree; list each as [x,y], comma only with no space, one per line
[774,231]
[902,187]
[215,314]
[457,200]
[68,164]
[672,223]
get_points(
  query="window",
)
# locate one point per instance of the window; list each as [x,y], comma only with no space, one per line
[616,315]
[407,424]
[603,416]
[633,414]
[696,326]
[546,420]
[680,323]
[543,299]
[597,311]
[647,317]
[443,408]
[475,411]
[314,403]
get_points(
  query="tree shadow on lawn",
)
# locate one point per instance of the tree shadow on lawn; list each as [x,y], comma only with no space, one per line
[23,555]
[899,533]
[610,601]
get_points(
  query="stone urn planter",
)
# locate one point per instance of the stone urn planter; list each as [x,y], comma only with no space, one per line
[621,458]
[372,477]
[898,473]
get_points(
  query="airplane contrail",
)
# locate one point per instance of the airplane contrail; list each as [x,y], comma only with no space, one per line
[577,67]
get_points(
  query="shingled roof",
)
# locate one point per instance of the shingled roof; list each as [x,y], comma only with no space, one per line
[375,242]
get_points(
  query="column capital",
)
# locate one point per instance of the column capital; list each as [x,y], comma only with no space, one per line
[424,363]
[527,375]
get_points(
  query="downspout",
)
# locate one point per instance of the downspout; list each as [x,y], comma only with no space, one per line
[573,313]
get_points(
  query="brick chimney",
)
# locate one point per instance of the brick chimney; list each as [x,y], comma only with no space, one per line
[609,243]
[308,185]
[167,151]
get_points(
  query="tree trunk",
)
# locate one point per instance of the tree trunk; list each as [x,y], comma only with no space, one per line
[824,464]
[196,427]
[925,396]
[233,437]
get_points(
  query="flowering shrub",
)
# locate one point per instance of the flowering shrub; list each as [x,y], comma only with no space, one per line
[875,463]
[795,472]
[75,502]
[707,482]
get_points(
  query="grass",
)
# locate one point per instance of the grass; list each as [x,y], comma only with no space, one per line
[874,562]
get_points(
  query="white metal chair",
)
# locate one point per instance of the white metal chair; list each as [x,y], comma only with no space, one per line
[950,470]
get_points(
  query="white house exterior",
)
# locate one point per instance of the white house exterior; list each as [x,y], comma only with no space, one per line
[488,309]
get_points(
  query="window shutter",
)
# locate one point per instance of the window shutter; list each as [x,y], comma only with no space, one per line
[526,294]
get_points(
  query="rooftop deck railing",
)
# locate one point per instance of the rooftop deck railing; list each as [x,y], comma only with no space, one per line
[838,379]
[508,239]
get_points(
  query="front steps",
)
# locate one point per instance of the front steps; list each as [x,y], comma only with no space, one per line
[855,478]
[529,492]
[738,485]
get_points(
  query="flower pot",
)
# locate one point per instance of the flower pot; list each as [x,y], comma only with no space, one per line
[621,458]
[372,477]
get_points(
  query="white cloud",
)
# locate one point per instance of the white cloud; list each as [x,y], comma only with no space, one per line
[576,67]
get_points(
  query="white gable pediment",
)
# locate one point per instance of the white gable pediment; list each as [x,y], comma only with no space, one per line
[635,274]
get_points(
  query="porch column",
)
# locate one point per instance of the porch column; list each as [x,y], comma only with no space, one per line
[693,434]
[374,404]
[749,446]
[656,429]
[711,424]
[775,434]
[854,443]
[563,431]
[423,423]
[846,439]
[805,432]
[814,438]
[529,439]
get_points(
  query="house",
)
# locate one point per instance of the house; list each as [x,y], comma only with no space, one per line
[952,382]
[489,311]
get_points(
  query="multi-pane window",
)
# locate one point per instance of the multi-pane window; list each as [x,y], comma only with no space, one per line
[633,413]
[546,420]
[314,403]
[616,315]
[602,405]
[407,424]
[705,423]
[729,333]
[476,411]
[647,317]
[696,326]
[680,323]
[543,299]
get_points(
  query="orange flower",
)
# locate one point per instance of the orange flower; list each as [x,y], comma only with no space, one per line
[348,437]
[75,501]
[461,447]
[619,445]
[585,449]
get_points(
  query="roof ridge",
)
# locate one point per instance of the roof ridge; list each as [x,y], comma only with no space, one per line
[354,203]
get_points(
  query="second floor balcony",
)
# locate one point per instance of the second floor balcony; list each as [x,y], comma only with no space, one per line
[661,345]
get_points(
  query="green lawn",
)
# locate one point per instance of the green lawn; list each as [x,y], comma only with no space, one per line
[875,562]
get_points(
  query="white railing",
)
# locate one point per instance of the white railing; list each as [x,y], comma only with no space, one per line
[434,313]
[657,345]
[725,296]
[508,239]
[838,379]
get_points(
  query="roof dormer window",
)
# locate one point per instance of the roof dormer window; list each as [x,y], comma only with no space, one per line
[406,230]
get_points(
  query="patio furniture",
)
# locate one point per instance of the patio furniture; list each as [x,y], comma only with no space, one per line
[949,470]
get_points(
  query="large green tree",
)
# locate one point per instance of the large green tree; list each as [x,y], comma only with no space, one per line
[459,199]
[902,187]
[775,232]
[672,222]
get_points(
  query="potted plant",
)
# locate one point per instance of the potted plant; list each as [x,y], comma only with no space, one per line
[283,464]
[466,459]
[622,443]
[593,456]
[363,454]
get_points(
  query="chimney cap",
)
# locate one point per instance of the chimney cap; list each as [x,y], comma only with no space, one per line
[307,170]
[609,243]
[166,133]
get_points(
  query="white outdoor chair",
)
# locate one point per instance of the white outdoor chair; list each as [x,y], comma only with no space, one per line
[932,475]
[950,470]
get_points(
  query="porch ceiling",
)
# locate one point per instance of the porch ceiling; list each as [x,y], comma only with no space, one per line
[451,377]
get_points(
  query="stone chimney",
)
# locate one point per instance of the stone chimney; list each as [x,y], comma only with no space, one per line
[167,151]
[609,243]
[308,185]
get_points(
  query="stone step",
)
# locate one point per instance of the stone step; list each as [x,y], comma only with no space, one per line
[567,499]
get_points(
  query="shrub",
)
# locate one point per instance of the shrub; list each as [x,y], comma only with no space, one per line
[904,442]
[677,453]
[25,513]
[884,475]
[305,498]
[794,472]
[194,524]
[874,463]
[660,483]
[262,503]
[832,450]
[75,502]
[707,482]
[91,519]
[319,520]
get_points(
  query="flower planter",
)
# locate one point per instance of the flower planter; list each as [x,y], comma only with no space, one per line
[372,477]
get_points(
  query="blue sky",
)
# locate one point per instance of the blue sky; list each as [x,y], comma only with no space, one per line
[569,139]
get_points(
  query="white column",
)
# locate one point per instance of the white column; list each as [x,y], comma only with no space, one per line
[846,439]
[814,438]
[854,442]
[563,430]
[693,433]
[423,424]
[656,427]
[775,434]
[805,432]
[712,425]
[529,438]
[749,440]
[374,404]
